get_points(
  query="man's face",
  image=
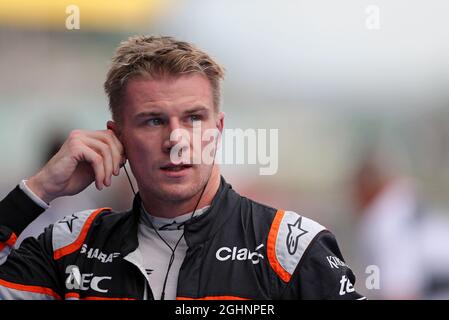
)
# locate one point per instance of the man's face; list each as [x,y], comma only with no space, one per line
[152,109]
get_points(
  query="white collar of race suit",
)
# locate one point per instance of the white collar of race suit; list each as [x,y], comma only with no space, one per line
[176,223]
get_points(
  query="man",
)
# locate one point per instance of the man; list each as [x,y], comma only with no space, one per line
[188,235]
[400,232]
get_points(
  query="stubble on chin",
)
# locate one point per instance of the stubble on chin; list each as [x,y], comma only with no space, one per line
[177,193]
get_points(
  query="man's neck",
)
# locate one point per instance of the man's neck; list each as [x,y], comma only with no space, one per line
[167,209]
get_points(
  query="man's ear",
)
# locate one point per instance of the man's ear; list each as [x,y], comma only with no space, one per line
[115,127]
[220,121]
[112,125]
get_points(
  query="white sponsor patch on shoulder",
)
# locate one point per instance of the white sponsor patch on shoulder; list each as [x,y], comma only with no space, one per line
[290,236]
[69,233]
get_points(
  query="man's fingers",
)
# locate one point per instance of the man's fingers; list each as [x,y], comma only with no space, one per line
[97,163]
[101,146]
[106,154]
[121,152]
[108,137]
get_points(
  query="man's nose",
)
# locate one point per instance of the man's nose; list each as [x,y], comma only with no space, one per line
[173,136]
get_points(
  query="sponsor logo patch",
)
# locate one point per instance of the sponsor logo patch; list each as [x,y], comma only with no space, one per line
[242,254]
[69,221]
[294,232]
[84,281]
[95,253]
[335,263]
[345,286]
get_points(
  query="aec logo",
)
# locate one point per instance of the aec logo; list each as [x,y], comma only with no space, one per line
[225,253]
[85,281]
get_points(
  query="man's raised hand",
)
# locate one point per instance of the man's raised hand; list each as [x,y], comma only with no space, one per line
[85,156]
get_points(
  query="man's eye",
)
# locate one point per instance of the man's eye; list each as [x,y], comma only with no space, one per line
[154,122]
[195,117]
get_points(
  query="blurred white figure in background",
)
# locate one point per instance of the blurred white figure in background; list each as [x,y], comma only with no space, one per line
[395,232]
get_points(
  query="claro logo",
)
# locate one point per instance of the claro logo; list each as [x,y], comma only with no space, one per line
[83,281]
[234,253]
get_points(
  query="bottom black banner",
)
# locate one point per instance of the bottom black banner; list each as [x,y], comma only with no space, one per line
[232,310]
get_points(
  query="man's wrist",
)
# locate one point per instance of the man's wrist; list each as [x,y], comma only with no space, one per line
[36,191]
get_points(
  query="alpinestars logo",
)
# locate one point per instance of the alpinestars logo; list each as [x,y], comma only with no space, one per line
[234,253]
[69,221]
[84,281]
[173,226]
[294,232]
[149,271]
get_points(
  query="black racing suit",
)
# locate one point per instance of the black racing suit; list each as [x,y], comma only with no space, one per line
[238,249]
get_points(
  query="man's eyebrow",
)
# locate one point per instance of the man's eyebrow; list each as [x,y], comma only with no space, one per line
[196,109]
[148,114]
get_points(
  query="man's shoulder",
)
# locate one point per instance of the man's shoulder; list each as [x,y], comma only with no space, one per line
[279,217]
[289,236]
[69,233]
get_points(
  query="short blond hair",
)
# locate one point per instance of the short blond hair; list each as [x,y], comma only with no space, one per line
[152,56]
